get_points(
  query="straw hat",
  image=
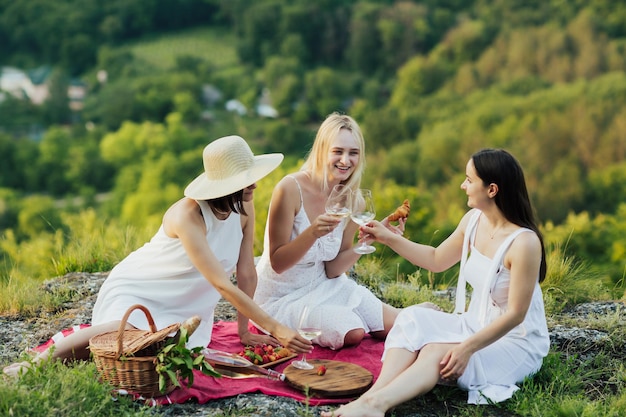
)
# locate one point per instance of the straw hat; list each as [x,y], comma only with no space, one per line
[230,166]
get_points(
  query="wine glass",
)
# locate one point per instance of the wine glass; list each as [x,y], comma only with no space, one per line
[362,213]
[309,327]
[338,204]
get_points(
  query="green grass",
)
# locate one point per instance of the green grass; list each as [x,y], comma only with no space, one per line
[60,390]
[570,383]
[89,243]
[213,45]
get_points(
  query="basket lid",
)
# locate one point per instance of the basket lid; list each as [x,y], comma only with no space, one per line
[124,341]
[133,340]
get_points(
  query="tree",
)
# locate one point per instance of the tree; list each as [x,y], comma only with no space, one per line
[606,189]
[257,31]
[56,109]
[54,161]
[403,29]
[324,91]
[363,52]
[37,215]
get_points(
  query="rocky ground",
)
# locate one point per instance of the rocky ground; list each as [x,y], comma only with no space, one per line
[18,333]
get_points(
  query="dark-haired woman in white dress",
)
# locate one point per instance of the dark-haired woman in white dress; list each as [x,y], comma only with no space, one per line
[502,337]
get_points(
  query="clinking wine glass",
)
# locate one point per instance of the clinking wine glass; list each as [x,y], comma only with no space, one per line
[362,213]
[338,204]
[309,327]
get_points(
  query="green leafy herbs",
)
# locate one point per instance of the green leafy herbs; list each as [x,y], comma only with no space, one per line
[176,362]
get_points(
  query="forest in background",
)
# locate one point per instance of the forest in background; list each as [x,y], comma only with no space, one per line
[430,82]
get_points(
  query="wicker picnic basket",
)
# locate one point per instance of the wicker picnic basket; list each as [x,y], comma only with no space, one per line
[126,358]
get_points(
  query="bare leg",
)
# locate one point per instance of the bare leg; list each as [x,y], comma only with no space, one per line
[73,346]
[419,378]
[389,317]
[396,361]
[353,337]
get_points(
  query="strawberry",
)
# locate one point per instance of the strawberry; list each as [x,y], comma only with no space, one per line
[321,370]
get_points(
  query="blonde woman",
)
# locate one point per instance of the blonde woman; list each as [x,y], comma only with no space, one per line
[300,265]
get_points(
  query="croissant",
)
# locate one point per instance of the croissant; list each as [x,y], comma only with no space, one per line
[402,212]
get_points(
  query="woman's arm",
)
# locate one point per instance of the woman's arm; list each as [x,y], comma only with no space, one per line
[284,206]
[433,259]
[247,278]
[523,259]
[185,222]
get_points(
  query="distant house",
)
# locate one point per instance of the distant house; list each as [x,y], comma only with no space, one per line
[264,107]
[76,92]
[211,95]
[20,85]
[265,110]
[236,106]
[33,86]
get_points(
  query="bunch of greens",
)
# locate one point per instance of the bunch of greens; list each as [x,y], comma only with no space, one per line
[175,361]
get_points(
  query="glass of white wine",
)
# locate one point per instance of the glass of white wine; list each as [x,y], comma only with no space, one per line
[362,213]
[338,204]
[309,327]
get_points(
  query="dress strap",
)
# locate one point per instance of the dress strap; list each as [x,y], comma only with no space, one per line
[299,189]
[496,262]
[459,306]
[207,213]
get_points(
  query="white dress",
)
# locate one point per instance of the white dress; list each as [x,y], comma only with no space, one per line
[493,371]
[160,276]
[342,304]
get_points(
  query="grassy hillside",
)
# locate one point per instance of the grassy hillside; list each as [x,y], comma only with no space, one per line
[215,45]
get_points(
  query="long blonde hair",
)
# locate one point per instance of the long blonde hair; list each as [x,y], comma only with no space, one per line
[316,163]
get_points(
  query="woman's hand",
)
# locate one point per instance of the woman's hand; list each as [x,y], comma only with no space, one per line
[379,231]
[253,339]
[324,224]
[454,363]
[291,339]
[399,229]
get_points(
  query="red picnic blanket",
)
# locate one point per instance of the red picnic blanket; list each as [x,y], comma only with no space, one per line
[225,338]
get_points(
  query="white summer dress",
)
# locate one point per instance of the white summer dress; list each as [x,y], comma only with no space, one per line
[492,372]
[160,276]
[342,304]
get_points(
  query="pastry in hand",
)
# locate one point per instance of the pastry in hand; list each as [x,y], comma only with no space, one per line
[402,212]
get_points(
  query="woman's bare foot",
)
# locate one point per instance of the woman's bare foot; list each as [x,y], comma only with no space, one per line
[359,408]
[17,369]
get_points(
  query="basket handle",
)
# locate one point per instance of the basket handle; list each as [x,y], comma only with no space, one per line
[120,333]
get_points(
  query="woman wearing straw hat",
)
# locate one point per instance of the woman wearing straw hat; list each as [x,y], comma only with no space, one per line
[185,268]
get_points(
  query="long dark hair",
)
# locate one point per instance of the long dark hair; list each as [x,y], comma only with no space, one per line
[497,166]
[231,202]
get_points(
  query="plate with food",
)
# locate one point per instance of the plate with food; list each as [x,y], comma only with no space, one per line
[266,355]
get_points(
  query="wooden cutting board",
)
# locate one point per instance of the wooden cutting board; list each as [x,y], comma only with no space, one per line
[342,379]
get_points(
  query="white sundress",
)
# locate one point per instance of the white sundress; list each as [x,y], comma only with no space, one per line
[492,372]
[160,276]
[342,304]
